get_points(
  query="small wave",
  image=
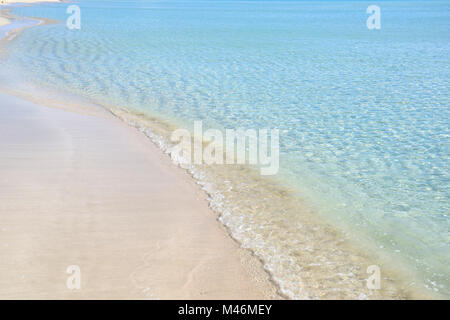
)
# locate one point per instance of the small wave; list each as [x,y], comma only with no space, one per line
[306,257]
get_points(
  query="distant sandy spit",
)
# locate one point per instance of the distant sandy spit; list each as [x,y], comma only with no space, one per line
[6,2]
[86,192]
[4,21]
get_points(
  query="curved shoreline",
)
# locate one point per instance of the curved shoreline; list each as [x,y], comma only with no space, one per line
[14,27]
[212,266]
[91,189]
[216,210]
[147,128]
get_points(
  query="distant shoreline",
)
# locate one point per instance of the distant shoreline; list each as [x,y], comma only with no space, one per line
[11,29]
[7,2]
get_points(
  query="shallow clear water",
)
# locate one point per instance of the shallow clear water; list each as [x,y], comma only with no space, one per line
[363,115]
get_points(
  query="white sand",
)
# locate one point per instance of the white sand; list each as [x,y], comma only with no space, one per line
[88,190]
[4,21]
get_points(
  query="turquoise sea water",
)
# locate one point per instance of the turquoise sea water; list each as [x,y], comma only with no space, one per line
[363,115]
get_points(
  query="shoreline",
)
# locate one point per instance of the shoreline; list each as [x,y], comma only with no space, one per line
[13,28]
[147,128]
[140,128]
[152,132]
[166,232]
[209,263]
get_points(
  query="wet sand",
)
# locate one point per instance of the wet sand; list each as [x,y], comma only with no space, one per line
[88,190]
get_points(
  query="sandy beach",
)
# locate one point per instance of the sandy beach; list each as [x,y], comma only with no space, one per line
[88,190]
[3,21]
[94,96]
[81,188]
